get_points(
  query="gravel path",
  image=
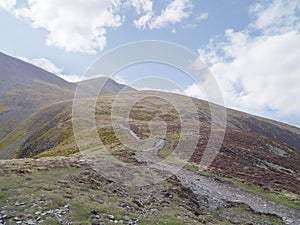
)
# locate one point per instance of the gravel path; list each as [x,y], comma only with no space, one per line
[216,191]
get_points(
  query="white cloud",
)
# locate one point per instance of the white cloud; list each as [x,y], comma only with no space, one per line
[202,17]
[7,4]
[175,12]
[119,79]
[260,74]
[265,74]
[77,78]
[143,21]
[49,66]
[73,25]
[142,5]
[72,78]
[194,91]
[81,26]
[43,63]
[276,16]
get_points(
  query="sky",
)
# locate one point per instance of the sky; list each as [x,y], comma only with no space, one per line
[252,47]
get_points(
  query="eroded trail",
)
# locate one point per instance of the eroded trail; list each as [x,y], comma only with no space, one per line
[216,191]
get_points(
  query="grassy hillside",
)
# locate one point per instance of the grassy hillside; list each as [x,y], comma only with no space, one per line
[55,189]
[273,163]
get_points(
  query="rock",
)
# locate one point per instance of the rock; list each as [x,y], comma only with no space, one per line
[19,203]
[154,210]
[168,195]
[110,217]
[97,217]
[143,212]
[138,203]
[133,221]
[30,222]
[236,221]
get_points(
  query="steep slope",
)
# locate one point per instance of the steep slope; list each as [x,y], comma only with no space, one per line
[91,86]
[14,71]
[29,108]
[23,89]
[254,166]
[255,156]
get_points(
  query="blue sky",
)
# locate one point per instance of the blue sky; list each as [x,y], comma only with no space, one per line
[252,47]
[19,38]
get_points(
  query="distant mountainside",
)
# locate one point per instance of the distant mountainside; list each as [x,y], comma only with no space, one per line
[34,102]
[91,86]
[14,71]
[25,90]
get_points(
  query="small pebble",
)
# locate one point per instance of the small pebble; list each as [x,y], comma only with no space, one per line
[111,217]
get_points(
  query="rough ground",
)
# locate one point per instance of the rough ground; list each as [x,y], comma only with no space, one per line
[66,190]
[217,191]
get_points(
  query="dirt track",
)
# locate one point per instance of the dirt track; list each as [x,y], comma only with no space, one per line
[216,191]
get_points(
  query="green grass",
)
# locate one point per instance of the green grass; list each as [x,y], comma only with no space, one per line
[67,147]
[107,136]
[3,108]
[11,139]
[279,197]
[143,115]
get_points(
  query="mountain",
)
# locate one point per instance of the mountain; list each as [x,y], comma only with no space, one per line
[26,92]
[254,178]
[91,86]
[17,72]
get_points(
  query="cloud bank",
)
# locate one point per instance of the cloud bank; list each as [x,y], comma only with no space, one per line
[82,26]
[175,12]
[258,68]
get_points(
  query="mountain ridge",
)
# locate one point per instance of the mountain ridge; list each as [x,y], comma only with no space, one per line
[24,90]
